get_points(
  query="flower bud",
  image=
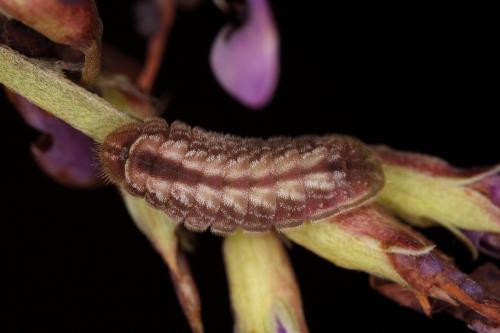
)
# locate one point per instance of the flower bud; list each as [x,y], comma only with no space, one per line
[264,293]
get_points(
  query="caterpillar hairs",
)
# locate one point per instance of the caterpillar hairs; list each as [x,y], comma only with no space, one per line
[210,180]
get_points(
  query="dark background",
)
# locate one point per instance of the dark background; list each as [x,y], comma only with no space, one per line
[415,76]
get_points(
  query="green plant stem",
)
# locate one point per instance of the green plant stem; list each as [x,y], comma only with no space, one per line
[57,95]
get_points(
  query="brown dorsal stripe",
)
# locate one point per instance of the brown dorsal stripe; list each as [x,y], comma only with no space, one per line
[207,179]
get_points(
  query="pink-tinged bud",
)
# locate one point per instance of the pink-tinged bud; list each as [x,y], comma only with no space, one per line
[75,23]
[361,239]
[425,191]
[62,152]
[161,232]
[245,60]
[370,240]
[264,293]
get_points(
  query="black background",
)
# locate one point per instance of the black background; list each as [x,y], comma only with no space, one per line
[415,76]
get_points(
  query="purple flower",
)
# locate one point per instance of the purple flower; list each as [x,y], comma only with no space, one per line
[245,60]
[62,152]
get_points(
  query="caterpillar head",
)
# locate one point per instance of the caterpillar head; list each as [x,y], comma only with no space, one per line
[114,151]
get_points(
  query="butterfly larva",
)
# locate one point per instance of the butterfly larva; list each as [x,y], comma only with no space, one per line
[208,179]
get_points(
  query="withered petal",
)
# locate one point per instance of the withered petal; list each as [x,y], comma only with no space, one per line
[434,275]
[488,276]
[66,22]
[161,232]
[186,291]
[24,39]
[399,294]
[74,23]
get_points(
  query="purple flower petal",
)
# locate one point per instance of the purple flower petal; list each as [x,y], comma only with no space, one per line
[490,186]
[62,152]
[245,60]
[495,190]
[279,327]
[486,242]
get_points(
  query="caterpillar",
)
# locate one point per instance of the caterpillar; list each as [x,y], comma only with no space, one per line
[223,182]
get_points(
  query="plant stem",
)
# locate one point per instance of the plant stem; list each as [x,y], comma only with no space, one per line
[57,95]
